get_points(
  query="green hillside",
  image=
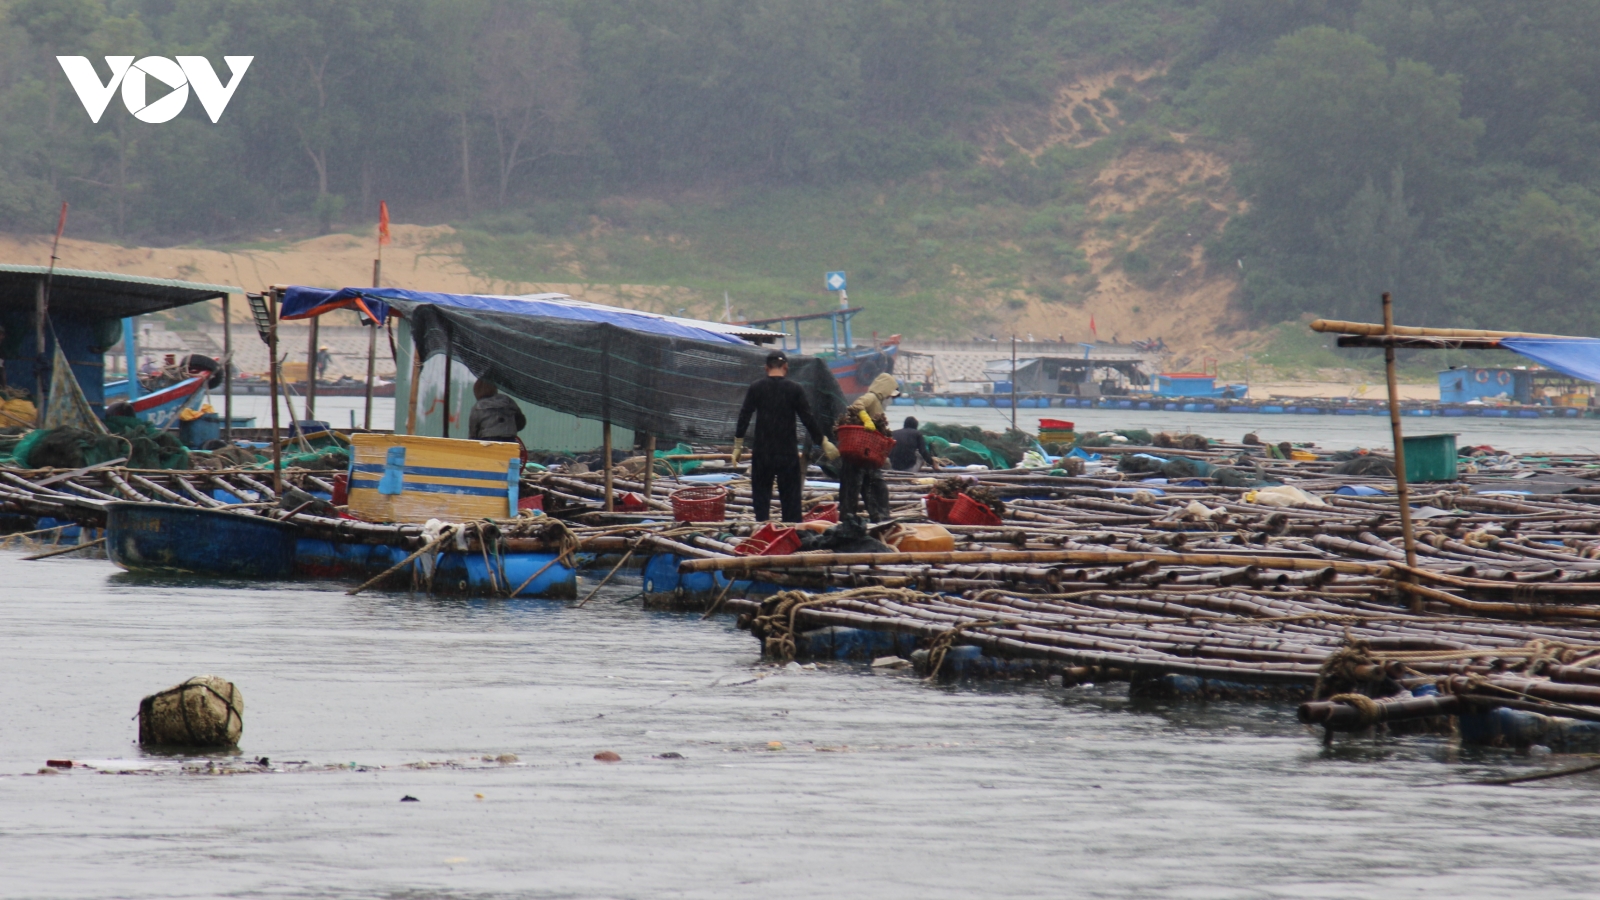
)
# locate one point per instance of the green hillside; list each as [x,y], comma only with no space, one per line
[1272,157]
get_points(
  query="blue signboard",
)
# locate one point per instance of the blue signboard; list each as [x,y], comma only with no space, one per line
[834,281]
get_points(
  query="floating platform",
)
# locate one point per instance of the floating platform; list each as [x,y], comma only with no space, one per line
[1275,406]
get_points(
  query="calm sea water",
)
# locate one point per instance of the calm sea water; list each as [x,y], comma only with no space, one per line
[884,787]
[1333,432]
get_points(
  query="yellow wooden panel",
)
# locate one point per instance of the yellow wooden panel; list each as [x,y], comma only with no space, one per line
[436,470]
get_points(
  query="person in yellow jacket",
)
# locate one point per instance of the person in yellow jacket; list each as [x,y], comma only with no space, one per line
[863,483]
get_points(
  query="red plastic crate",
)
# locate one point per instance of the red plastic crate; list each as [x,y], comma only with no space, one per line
[823,512]
[938,508]
[968,511]
[700,503]
[864,447]
[769,540]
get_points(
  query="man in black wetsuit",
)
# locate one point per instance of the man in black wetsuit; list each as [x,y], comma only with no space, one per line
[776,402]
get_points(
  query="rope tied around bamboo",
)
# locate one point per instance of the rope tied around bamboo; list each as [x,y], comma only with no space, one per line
[778,625]
[1369,710]
[1349,668]
[943,641]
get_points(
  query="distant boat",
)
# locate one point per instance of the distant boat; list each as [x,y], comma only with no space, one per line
[853,366]
[160,408]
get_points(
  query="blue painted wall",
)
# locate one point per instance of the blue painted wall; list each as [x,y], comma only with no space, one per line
[1465,384]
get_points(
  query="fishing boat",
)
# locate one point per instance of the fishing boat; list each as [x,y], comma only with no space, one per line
[161,407]
[167,537]
[853,366]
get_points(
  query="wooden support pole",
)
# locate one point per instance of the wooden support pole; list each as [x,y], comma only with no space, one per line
[605,432]
[449,364]
[227,369]
[415,391]
[1013,382]
[272,374]
[1402,490]
[649,467]
[41,365]
[311,369]
[372,344]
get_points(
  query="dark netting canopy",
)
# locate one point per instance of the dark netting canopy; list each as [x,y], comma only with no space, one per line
[650,381]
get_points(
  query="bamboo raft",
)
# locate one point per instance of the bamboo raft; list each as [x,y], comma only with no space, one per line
[1184,589]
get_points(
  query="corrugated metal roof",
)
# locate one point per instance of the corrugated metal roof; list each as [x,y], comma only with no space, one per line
[102,295]
[216,289]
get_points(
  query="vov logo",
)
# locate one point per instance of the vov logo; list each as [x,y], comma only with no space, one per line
[187,72]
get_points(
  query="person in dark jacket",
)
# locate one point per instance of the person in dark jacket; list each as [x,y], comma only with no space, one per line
[776,402]
[910,449]
[495,417]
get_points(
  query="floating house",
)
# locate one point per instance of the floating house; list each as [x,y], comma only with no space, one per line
[1195,384]
[1089,375]
[1522,385]
[571,366]
[88,313]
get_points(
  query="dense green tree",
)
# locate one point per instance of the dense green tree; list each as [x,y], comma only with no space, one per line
[1441,149]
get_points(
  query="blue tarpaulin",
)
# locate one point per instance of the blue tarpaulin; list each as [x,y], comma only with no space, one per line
[304,302]
[1578,357]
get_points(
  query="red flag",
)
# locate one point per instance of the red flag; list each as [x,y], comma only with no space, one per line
[383,223]
[1092,329]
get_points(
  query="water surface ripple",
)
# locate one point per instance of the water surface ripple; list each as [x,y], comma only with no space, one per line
[884,787]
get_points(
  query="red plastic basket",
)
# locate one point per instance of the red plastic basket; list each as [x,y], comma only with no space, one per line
[769,540]
[864,447]
[823,512]
[968,511]
[699,503]
[938,508]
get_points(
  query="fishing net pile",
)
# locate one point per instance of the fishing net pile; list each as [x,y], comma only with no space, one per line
[125,437]
[967,445]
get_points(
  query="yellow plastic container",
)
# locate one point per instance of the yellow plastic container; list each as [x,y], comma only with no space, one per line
[925,538]
[404,478]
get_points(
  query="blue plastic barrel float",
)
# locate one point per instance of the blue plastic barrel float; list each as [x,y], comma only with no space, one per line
[455,572]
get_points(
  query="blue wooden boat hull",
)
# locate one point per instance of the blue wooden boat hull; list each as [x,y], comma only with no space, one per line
[160,537]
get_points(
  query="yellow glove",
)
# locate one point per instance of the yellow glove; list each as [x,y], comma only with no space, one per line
[866,421]
[738,448]
[829,451]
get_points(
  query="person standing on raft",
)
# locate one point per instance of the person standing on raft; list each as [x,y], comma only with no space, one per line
[858,483]
[495,417]
[776,402]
